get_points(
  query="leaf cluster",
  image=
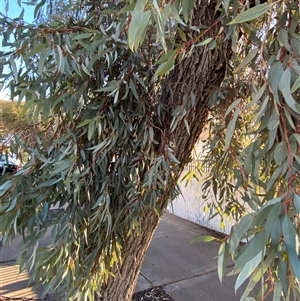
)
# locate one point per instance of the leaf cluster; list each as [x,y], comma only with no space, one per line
[252,152]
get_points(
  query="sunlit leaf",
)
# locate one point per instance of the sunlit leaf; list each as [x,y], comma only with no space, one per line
[251,55]
[247,270]
[252,13]
[222,259]
[231,127]
[206,238]
[138,25]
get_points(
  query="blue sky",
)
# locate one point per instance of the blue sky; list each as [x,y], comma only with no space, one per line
[14,11]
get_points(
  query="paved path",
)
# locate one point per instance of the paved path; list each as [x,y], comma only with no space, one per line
[188,272]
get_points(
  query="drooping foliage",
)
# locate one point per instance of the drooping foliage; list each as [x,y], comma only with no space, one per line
[251,156]
[103,138]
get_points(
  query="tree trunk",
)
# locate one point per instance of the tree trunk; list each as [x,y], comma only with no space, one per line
[121,287]
[199,73]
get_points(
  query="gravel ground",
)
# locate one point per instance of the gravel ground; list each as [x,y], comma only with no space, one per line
[152,294]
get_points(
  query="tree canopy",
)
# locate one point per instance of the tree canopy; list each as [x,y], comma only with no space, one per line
[11,121]
[120,91]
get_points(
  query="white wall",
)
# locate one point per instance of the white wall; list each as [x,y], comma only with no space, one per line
[191,207]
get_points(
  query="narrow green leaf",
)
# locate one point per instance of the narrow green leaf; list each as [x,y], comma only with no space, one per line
[127,8]
[272,216]
[296,85]
[13,67]
[166,67]
[38,8]
[297,202]
[257,96]
[239,232]
[282,273]
[82,36]
[91,129]
[284,86]
[206,238]
[263,108]
[252,13]
[276,174]
[176,16]
[37,49]
[187,6]
[173,158]
[280,153]
[12,205]
[165,56]
[99,146]
[225,5]
[60,59]
[206,41]
[283,38]
[212,45]
[289,234]
[133,89]
[273,125]
[42,59]
[49,183]
[222,259]
[85,69]
[112,86]
[233,106]
[156,6]
[181,34]
[297,137]
[187,126]
[231,128]
[289,117]
[277,291]
[138,25]
[247,270]
[258,274]
[274,77]
[5,186]
[250,56]
[256,244]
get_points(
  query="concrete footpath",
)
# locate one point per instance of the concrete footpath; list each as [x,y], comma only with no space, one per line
[186,271]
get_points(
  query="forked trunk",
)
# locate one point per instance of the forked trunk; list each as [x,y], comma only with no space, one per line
[199,73]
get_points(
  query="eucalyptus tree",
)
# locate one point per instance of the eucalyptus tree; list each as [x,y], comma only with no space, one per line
[117,99]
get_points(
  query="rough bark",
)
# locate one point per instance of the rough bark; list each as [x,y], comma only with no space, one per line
[121,287]
[198,73]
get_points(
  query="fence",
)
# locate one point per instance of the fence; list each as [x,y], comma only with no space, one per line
[190,206]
